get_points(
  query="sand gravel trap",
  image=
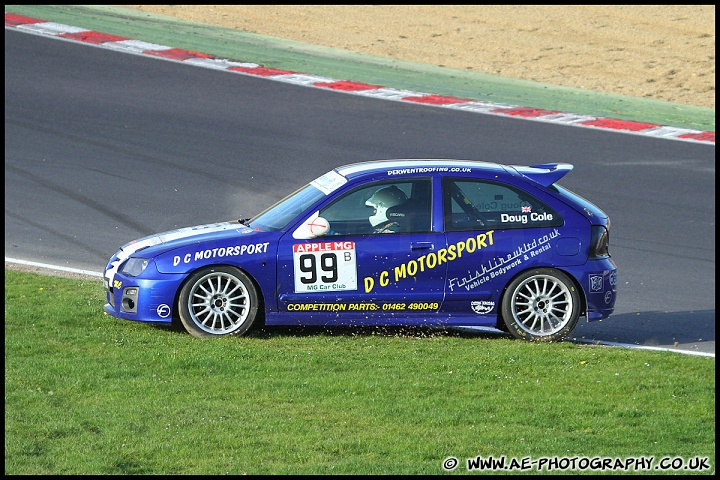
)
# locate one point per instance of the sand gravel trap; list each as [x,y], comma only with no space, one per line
[664,52]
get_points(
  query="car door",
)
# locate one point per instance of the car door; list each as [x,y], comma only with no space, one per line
[494,231]
[354,269]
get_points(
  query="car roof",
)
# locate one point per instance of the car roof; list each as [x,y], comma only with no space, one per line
[545,174]
[374,166]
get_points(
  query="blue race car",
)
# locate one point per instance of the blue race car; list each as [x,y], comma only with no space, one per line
[387,242]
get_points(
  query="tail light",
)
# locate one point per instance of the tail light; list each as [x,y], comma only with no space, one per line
[599,242]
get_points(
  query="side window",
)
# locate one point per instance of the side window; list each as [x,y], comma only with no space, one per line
[483,204]
[401,206]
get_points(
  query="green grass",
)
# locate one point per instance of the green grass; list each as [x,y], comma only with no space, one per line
[89,394]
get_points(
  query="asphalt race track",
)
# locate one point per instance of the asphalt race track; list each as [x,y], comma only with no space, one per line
[103,147]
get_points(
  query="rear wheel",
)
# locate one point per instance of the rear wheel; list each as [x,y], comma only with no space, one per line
[541,305]
[218,301]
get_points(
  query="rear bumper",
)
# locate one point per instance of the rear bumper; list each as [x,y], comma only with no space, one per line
[599,282]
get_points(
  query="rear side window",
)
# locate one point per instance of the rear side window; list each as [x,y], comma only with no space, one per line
[484,204]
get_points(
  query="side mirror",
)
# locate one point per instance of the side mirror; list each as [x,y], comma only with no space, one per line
[315,226]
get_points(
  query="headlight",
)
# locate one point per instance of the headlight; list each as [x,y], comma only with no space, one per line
[135,266]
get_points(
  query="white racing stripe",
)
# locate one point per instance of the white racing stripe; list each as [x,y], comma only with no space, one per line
[136,245]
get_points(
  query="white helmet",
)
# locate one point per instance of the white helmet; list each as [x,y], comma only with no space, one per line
[383,199]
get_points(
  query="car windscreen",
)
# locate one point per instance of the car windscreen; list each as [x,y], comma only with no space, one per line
[277,216]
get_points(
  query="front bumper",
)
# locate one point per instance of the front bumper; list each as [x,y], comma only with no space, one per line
[150,297]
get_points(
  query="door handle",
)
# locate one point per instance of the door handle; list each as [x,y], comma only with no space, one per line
[422,246]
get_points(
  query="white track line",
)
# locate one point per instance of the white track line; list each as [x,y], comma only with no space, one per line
[53,267]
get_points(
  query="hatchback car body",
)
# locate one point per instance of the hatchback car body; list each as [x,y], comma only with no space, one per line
[466,243]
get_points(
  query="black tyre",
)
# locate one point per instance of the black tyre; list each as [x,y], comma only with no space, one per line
[218,301]
[541,305]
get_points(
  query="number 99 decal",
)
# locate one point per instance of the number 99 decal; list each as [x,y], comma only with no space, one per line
[328,264]
[324,267]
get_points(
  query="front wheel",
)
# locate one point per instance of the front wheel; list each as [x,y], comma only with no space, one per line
[217,301]
[541,305]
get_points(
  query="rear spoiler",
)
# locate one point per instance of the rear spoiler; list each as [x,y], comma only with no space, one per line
[545,174]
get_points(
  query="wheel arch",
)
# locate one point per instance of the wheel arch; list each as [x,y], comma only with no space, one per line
[259,321]
[500,322]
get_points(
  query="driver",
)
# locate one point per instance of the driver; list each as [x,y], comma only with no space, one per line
[380,201]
